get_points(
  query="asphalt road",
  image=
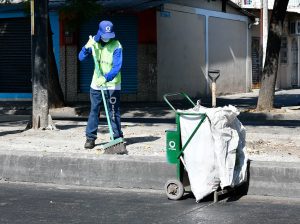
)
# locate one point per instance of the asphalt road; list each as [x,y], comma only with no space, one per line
[33,204]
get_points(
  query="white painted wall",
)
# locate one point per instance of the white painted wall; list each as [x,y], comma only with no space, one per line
[228,52]
[181,53]
[192,40]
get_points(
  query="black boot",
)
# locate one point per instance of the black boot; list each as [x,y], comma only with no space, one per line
[89,144]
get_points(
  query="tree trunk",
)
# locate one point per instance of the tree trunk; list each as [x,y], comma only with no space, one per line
[56,97]
[40,108]
[269,75]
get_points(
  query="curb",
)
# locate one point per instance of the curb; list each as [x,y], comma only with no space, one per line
[86,169]
[114,171]
[275,179]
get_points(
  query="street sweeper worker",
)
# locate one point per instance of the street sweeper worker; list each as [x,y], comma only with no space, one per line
[108,52]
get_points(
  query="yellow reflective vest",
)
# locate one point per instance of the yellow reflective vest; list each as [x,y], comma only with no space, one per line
[104,56]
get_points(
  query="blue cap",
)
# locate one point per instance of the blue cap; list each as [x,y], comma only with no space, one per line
[106,30]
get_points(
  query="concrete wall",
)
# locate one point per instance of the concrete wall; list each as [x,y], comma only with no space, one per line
[68,73]
[187,50]
[181,54]
[147,72]
[147,75]
[228,53]
[284,70]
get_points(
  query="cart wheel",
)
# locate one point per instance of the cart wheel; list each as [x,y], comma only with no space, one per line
[174,189]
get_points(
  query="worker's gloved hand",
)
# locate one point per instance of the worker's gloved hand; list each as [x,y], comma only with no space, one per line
[90,43]
[100,81]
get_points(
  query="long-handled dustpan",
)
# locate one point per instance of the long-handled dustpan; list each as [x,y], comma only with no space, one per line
[114,146]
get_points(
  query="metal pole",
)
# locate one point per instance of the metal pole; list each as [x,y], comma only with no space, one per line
[32,16]
[265,30]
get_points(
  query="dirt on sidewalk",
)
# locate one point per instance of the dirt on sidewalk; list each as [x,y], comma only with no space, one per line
[143,139]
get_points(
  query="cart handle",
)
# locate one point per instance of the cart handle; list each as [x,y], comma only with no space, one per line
[176,94]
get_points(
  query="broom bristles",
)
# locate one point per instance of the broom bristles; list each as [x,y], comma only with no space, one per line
[119,148]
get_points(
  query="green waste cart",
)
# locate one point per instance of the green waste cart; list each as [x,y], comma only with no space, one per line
[175,188]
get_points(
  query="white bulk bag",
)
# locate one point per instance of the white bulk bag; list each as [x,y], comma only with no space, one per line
[216,155]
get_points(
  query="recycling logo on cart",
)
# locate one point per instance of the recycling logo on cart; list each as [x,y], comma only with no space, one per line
[172,145]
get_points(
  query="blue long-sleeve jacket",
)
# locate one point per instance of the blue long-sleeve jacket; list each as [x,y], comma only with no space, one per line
[117,61]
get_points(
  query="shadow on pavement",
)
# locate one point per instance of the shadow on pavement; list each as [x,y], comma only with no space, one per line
[279,123]
[11,132]
[133,140]
[67,126]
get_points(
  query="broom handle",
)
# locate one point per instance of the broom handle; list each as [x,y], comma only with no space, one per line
[103,97]
[107,115]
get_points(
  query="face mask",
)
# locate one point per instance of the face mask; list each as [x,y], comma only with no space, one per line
[104,39]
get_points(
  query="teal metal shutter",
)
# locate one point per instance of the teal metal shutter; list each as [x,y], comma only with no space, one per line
[15,55]
[127,33]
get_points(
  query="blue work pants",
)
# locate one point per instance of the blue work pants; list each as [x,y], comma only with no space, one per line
[113,103]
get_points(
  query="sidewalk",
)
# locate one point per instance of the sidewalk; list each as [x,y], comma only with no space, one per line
[273,144]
